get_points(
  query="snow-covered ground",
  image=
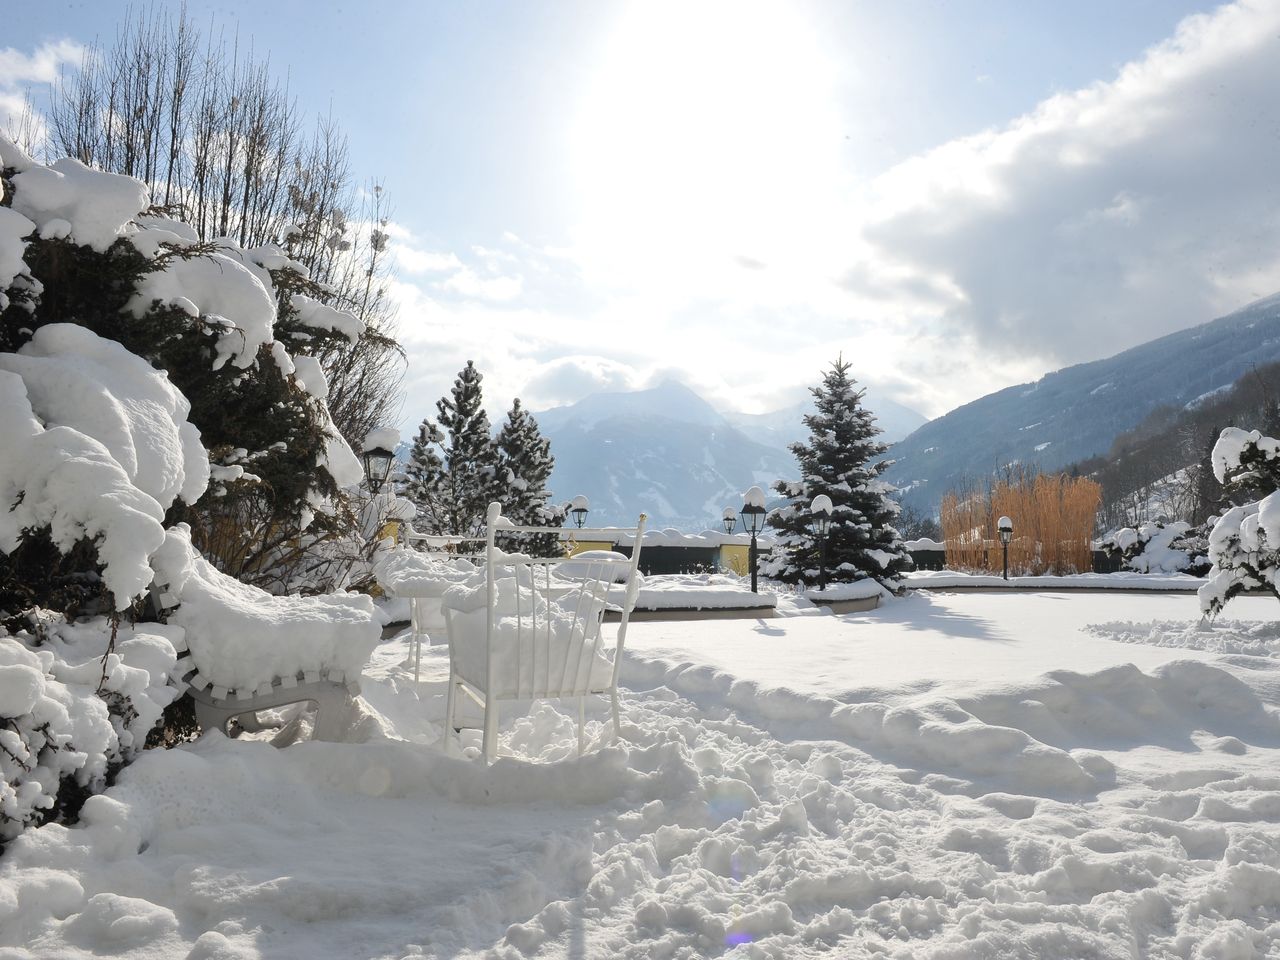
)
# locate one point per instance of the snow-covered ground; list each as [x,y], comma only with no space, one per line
[949,776]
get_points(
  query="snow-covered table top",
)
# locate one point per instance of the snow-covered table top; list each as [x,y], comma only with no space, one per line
[404,572]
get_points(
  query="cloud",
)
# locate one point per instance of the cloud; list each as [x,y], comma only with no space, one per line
[571,378]
[1107,216]
[19,72]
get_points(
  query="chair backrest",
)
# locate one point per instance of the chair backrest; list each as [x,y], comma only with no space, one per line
[558,605]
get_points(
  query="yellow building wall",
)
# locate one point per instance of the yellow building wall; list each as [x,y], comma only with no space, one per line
[736,557]
[576,547]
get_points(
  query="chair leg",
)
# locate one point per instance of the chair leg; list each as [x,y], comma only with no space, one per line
[490,743]
[450,702]
[617,716]
[417,655]
[582,724]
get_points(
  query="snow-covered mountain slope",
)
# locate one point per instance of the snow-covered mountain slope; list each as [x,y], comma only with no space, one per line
[664,451]
[1076,412]
[782,427]
[669,452]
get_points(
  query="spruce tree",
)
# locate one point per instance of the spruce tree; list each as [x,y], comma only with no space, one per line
[840,460]
[452,470]
[524,465]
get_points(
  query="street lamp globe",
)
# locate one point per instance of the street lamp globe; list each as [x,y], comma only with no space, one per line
[821,510]
[753,510]
[730,519]
[378,456]
[1005,528]
[578,508]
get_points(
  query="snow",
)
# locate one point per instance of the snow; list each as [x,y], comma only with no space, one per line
[241,637]
[13,228]
[74,378]
[528,627]
[55,725]
[89,206]
[981,775]
[754,497]
[221,288]
[700,591]
[945,579]
[320,316]
[97,445]
[1232,442]
[924,543]
[382,438]
[863,589]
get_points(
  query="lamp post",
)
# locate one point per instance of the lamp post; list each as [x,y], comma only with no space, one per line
[377,457]
[377,467]
[753,522]
[578,508]
[1004,526]
[821,509]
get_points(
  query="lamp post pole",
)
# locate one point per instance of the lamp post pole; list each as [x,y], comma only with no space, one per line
[1005,528]
[821,509]
[753,521]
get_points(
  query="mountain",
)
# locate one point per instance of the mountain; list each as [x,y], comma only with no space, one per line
[669,452]
[783,427]
[665,451]
[1075,413]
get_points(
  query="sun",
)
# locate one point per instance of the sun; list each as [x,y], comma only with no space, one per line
[707,140]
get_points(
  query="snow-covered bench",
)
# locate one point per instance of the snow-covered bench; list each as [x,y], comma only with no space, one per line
[248,650]
[525,628]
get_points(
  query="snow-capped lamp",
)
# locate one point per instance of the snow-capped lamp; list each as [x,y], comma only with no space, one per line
[578,508]
[378,455]
[1004,527]
[730,519]
[821,508]
[753,522]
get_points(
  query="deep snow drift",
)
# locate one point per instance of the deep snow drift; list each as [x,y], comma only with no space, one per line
[975,775]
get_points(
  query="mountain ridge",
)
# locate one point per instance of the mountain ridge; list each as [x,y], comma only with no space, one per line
[1074,413]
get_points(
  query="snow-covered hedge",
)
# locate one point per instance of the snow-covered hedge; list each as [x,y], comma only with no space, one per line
[1245,543]
[1158,547]
[71,713]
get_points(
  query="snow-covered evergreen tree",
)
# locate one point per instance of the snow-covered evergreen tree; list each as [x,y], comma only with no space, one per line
[452,476]
[524,465]
[1245,543]
[840,459]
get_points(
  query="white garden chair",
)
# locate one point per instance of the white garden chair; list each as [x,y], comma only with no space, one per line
[523,631]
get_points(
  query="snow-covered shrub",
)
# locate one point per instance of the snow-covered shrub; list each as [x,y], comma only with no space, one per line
[72,713]
[1245,543]
[840,460]
[1159,547]
[237,332]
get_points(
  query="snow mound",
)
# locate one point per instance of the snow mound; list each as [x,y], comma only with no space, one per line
[241,637]
[67,713]
[75,378]
[68,199]
[221,289]
[412,573]
[320,316]
[537,643]
[1232,637]
[97,445]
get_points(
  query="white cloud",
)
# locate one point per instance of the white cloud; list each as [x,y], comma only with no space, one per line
[1107,216]
[19,73]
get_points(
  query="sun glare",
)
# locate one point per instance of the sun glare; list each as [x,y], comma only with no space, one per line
[707,144]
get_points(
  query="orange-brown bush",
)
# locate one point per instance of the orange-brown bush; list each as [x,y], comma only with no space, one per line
[1052,518]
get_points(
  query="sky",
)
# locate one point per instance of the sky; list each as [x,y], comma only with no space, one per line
[956,196]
